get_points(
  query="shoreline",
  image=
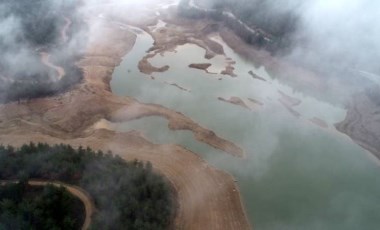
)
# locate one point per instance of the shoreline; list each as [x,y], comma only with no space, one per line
[76,191]
[361,123]
[205,179]
[208,198]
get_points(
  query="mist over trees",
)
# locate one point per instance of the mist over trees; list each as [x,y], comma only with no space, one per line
[127,195]
[274,16]
[273,20]
[28,28]
[339,40]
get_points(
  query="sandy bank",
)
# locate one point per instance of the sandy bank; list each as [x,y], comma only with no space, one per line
[177,121]
[180,31]
[208,198]
[147,68]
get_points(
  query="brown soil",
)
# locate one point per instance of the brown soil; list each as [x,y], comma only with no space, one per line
[147,68]
[235,101]
[180,31]
[208,198]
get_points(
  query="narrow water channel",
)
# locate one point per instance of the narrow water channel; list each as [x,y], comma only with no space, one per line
[298,174]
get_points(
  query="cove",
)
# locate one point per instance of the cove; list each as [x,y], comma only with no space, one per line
[297,175]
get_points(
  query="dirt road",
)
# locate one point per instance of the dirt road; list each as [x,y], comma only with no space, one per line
[74,190]
[65,28]
[45,58]
[208,198]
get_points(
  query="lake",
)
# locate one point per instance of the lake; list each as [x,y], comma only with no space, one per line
[297,173]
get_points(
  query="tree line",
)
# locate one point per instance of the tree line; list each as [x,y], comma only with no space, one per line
[273,22]
[128,195]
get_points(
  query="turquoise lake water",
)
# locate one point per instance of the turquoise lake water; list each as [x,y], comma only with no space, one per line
[297,175]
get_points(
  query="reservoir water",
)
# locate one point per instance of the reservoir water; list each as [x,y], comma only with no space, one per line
[297,174]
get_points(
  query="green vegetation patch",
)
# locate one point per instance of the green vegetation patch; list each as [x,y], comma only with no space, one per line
[128,195]
[39,207]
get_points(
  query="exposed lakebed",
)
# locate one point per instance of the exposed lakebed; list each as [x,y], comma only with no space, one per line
[296,174]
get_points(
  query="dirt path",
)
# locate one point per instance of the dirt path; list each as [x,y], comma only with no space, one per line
[45,58]
[74,190]
[65,28]
[208,198]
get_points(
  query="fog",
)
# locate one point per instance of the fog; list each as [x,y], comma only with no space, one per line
[338,37]
[40,42]
[345,33]
[330,36]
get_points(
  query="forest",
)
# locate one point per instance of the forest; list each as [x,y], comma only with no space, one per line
[128,195]
[29,28]
[274,16]
[274,19]
[39,207]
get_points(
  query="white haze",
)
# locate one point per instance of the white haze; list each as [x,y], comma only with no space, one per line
[344,32]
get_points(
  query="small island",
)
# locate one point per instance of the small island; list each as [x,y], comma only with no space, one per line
[235,101]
